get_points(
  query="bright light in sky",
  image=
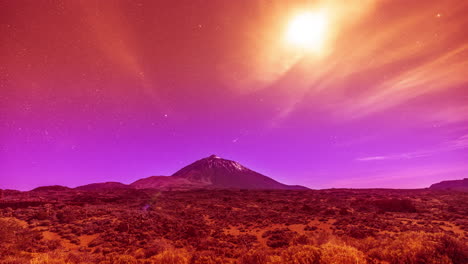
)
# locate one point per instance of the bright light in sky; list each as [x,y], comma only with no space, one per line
[307,31]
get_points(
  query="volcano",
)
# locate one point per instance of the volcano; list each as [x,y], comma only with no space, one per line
[213,172]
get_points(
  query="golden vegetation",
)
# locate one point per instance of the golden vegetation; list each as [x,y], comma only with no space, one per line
[245,227]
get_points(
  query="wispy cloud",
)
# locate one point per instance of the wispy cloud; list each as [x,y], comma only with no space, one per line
[444,72]
[372,158]
[113,34]
[367,67]
[451,145]
[413,177]
[446,114]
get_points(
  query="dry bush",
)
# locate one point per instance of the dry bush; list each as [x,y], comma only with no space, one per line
[17,259]
[416,247]
[8,228]
[54,257]
[16,238]
[279,237]
[157,246]
[47,259]
[151,236]
[395,205]
[301,255]
[178,256]
[341,254]
[125,259]
[258,256]
[301,240]
[321,237]
[455,250]
[139,253]
[207,257]
[61,256]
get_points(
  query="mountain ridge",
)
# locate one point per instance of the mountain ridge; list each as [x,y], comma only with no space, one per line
[101,186]
[459,185]
[212,172]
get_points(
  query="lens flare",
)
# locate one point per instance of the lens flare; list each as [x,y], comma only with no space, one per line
[307,31]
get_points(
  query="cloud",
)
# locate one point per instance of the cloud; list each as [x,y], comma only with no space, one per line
[448,113]
[374,60]
[413,177]
[451,145]
[108,24]
[373,158]
[446,71]
[264,57]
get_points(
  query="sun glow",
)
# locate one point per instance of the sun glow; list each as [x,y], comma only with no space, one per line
[307,31]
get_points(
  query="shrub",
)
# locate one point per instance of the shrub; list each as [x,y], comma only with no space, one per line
[14,259]
[178,256]
[63,257]
[455,250]
[15,237]
[258,256]
[310,228]
[278,238]
[157,246]
[413,248]
[48,259]
[395,205]
[125,259]
[321,237]
[8,228]
[301,255]
[301,240]
[341,254]
[359,232]
[207,257]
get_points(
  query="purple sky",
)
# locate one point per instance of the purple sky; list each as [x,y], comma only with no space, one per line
[117,92]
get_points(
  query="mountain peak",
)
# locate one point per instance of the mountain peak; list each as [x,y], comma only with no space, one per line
[213,172]
[216,172]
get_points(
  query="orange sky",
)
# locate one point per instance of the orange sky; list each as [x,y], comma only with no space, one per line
[153,85]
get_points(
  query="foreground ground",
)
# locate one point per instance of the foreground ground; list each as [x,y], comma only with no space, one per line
[147,226]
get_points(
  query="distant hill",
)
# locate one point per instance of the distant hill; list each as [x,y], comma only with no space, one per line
[213,172]
[102,186]
[166,182]
[459,185]
[51,188]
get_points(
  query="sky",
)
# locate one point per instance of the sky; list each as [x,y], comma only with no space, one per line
[370,94]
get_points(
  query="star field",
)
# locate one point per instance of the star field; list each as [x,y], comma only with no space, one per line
[116,91]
